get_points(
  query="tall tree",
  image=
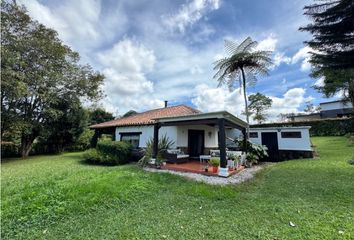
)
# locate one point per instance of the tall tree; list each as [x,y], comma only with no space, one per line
[241,66]
[259,103]
[99,115]
[332,57]
[37,72]
[130,113]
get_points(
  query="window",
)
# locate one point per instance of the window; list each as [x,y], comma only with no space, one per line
[291,134]
[253,134]
[131,137]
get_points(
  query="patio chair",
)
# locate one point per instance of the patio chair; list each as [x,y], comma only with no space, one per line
[176,156]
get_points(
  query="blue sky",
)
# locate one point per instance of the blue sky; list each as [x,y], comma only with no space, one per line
[151,51]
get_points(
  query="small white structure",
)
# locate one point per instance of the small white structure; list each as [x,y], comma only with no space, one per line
[284,142]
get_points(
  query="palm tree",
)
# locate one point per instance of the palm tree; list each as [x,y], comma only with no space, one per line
[242,66]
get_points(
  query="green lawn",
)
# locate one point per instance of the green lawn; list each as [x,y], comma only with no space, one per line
[57,197]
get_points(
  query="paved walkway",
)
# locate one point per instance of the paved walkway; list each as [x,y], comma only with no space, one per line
[240,177]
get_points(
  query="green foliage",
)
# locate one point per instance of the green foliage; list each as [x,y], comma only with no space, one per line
[39,73]
[51,197]
[214,161]
[92,156]
[258,103]
[351,162]
[252,158]
[64,131]
[114,152]
[84,141]
[242,66]
[260,151]
[326,127]
[99,115]
[164,144]
[333,48]
[129,113]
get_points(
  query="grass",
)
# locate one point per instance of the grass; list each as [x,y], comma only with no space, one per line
[57,197]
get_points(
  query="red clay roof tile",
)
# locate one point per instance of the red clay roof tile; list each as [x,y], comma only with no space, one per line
[146,118]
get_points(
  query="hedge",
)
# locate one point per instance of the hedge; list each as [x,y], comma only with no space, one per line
[109,153]
[322,127]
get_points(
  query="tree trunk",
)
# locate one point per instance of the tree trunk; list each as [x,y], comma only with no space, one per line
[246,104]
[26,144]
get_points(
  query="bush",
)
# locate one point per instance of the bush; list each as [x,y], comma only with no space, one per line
[92,156]
[260,151]
[114,152]
[109,153]
[83,142]
[9,149]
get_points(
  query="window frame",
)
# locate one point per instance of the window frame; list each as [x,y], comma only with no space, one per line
[123,134]
[287,134]
[256,133]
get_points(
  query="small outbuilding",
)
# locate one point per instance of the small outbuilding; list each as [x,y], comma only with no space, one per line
[284,142]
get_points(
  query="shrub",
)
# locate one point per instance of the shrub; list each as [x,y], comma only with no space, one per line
[164,144]
[83,142]
[215,162]
[114,152]
[92,156]
[109,153]
[260,151]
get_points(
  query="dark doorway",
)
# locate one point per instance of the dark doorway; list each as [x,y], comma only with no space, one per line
[270,139]
[195,143]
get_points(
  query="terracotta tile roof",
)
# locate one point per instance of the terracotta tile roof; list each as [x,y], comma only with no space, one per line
[146,118]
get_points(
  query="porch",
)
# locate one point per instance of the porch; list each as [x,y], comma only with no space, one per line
[197,167]
[220,121]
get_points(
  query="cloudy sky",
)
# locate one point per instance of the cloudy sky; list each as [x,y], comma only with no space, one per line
[156,50]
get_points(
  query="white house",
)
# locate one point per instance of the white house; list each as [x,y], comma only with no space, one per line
[194,132]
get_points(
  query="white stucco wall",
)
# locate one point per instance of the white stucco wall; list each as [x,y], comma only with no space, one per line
[179,134]
[209,141]
[335,105]
[147,132]
[301,144]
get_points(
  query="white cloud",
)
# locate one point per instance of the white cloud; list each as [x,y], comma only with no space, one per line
[319,82]
[189,14]
[289,103]
[80,23]
[216,99]
[268,44]
[210,99]
[125,66]
[280,58]
[303,55]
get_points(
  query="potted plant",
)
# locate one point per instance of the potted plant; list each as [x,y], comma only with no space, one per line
[215,162]
[238,161]
[206,168]
[251,159]
[159,160]
[231,161]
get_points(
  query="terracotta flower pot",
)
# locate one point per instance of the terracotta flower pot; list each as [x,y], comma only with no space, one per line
[215,169]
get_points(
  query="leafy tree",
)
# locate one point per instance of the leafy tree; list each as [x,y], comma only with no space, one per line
[130,113]
[100,115]
[333,45]
[38,71]
[64,131]
[242,66]
[258,104]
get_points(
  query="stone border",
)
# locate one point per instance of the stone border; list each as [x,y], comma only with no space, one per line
[237,178]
